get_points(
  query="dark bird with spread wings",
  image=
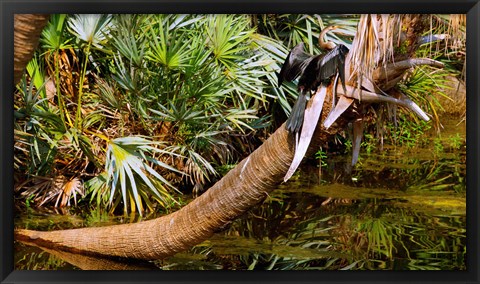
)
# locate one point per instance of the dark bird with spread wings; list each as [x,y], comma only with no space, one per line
[313,71]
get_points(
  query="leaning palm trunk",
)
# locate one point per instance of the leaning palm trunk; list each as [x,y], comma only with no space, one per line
[243,187]
[27,30]
[253,178]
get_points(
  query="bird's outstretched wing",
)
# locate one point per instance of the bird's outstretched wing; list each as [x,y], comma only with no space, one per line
[333,62]
[296,61]
[321,68]
[315,75]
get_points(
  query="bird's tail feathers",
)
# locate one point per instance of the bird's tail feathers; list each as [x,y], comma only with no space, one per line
[295,121]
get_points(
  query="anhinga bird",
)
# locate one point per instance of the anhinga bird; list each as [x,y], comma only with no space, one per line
[313,70]
[316,72]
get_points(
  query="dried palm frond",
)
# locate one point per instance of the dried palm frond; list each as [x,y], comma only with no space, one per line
[456,25]
[45,190]
[377,38]
[364,50]
[68,189]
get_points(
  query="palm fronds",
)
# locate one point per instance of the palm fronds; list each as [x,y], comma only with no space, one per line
[168,48]
[53,37]
[205,85]
[90,28]
[128,160]
[227,37]
[57,190]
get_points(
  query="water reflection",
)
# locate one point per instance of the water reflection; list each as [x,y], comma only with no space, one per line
[392,211]
[402,215]
[42,258]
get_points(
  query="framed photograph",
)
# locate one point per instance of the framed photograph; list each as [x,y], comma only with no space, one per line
[295,139]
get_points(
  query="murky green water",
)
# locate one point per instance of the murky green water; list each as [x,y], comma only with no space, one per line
[400,209]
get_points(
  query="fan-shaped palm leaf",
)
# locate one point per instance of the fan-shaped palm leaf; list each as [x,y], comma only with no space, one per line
[70,189]
[228,35]
[52,35]
[170,50]
[90,28]
[128,37]
[126,160]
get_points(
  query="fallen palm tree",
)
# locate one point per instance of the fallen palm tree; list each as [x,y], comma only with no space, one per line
[369,65]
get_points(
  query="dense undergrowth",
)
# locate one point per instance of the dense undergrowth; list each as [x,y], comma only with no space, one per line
[127,111]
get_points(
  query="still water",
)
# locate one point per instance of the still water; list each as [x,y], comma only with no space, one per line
[398,209]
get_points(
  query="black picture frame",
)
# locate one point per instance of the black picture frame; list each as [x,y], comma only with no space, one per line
[10,7]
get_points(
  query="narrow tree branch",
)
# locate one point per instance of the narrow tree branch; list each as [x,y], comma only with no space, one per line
[396,69]
[366,96]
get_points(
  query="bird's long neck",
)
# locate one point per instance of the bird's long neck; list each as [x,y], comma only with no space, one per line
[327,45]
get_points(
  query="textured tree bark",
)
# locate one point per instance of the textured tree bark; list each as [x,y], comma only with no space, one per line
[243,187]
[27,31]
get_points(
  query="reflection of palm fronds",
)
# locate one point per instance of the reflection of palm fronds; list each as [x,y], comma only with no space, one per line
[39,260]
[379,234]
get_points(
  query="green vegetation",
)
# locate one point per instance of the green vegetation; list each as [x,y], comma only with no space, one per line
[321,156]
[122,111]
[417,224]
